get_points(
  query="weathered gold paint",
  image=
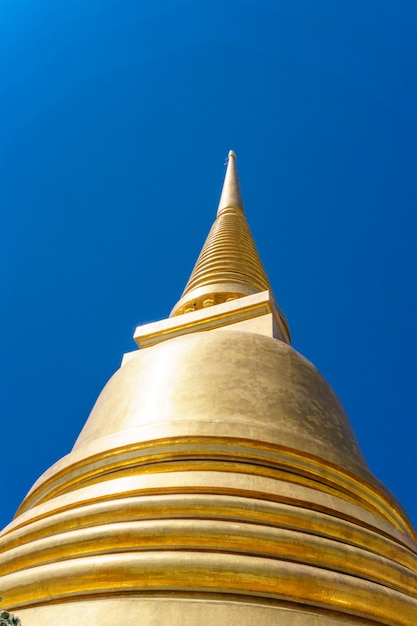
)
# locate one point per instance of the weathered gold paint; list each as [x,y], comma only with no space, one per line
[216,481]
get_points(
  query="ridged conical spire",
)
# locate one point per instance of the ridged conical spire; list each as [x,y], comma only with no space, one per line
[229,265]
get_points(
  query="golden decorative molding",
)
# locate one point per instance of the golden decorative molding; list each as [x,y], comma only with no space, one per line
[210,454]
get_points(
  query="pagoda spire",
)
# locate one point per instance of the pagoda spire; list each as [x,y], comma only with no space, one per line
[229,265]
[231,197]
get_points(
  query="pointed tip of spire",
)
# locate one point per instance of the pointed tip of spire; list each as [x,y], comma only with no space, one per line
[231,197]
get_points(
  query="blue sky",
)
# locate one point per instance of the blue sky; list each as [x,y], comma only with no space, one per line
[115,122]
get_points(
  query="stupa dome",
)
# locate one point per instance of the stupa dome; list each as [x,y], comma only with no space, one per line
[219,383]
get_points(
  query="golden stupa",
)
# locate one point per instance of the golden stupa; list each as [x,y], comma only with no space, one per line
[217,480]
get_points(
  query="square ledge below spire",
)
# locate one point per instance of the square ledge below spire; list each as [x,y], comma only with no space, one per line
[257,313]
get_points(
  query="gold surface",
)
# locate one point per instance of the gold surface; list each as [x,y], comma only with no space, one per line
[219,455]
[87,541]
[220,382]
[112,506]
[188,610]
[208,536]
[211,572]
[216,481]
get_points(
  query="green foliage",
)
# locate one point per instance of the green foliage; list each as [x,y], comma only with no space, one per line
[7,619]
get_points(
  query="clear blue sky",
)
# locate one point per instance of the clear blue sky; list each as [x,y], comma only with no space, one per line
[115,121]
